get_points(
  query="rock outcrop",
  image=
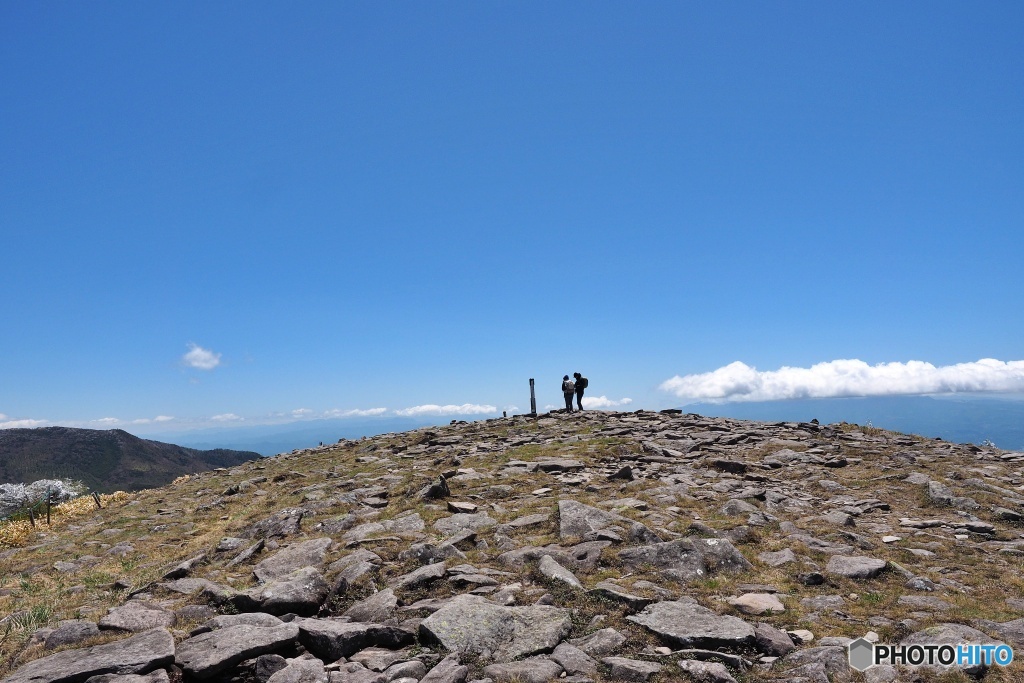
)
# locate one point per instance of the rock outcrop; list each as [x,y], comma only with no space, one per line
[586,547]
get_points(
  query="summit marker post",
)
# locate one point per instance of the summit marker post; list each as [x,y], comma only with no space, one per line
[533,400]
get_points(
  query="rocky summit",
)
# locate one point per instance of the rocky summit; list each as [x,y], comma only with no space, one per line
[579,547]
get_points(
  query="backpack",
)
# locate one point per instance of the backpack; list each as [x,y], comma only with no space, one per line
[583,383]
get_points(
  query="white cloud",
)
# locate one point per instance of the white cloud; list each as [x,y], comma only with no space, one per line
[106,421]
[2,416]
[162,418]
[22,424]
[740,382]
[432,409]
[301,412]
[200,358]
[226,417]
[141,421]
[369,412]
[597,402]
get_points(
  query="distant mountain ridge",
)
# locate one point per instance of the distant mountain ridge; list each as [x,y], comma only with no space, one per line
[104,460]
[967,419]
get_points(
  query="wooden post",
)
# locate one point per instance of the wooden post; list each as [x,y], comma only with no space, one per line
[96,499]
[31,517]
[533,400]
[48,496]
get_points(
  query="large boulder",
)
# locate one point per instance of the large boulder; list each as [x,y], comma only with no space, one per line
[471,624]
[139,654]
[207,654]
[301,592]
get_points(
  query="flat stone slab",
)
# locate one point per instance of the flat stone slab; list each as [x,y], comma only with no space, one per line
[687,559]
[757,603]
[138,654]
[690,625]
[331,640]
[306,554]
[464,522]
[137,616]
[556,572]
[854,567]
[471,624]
[301,592]
[532,670]
[576,520]
[624,669]
[208,654]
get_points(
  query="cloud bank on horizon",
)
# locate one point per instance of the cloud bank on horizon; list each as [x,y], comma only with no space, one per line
[847,378]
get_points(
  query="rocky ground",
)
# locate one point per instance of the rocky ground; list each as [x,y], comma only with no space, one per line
[572,547]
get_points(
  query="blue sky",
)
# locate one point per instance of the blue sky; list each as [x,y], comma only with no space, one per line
[356,206]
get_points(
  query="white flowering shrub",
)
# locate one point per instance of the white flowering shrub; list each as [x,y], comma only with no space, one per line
[16,497]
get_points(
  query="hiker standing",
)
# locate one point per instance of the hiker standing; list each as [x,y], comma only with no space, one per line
[568,389]
[581,384]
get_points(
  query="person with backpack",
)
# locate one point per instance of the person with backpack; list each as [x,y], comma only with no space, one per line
[581,383]
[568,389]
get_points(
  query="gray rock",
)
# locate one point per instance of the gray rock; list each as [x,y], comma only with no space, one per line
[246,619]
[940,494]
[464,522]
[772,641]
[71,632]
[138,654]
[268,665]
[583,556]
[854,567]
[380,658]
[819,602]
[556,572]
[779,558]
[301,671]
[576,520]
[951,634]
[137,616]
[601,643]
[301,592]
[687,559]
[448,670]
[532,670]
[757,603]
[414,669]
[377,608]
[607,590]
[208,654]
[924,602]
[407,526]
[623,669]
[690,625]
[471,624]
[737,508]
[834,658]
[574,660]
[278,525]
[183,569]
[331,640]
[158,676]
[706,672]
[419,577]
[306,554]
